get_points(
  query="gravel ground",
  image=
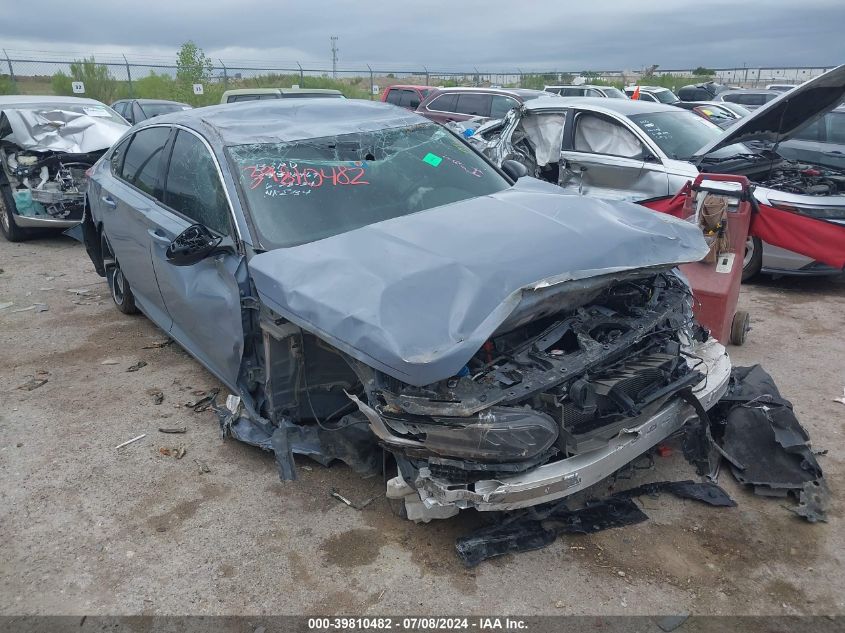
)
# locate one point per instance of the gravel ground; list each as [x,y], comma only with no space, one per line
[87,529]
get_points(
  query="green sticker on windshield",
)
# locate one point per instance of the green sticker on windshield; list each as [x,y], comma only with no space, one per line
[432,159]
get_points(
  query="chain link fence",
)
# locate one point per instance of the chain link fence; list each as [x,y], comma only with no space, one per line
[110,78]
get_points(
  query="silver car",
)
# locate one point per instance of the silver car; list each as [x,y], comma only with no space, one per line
[822,142]
[46,146]
[634,150]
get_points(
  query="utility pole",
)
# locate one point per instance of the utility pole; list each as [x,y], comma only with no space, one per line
[335,49]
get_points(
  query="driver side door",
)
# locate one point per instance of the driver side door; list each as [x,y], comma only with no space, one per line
[604,158]
[203,299]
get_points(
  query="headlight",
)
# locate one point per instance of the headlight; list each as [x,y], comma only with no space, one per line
[498,434]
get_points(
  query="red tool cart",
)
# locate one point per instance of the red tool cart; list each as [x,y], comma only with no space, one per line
[722,205]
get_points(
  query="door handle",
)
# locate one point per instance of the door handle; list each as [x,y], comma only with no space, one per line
[159,236]
[108,201]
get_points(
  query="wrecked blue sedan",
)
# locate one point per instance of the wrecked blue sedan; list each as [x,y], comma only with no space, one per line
[367,285]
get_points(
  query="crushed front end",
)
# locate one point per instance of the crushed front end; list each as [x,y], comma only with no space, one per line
[552,406]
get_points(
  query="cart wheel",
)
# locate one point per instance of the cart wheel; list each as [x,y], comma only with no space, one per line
[740,326]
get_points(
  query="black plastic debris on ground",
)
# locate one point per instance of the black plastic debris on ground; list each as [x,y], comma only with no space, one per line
[536,528]
[768,448]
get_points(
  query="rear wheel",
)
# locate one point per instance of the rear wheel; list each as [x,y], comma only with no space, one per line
[121,293]
[10,230]
[752,262]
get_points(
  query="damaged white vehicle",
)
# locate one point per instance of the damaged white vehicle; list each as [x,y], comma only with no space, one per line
[46,146]
[637,150]
[368,286]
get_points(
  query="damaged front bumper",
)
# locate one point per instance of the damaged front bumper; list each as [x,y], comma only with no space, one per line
[430,497]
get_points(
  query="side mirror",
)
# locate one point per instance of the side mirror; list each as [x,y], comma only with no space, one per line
[192,245]
[514,169]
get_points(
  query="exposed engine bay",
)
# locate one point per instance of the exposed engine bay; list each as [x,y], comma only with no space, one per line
[48,184]
[550,389]
[806,179]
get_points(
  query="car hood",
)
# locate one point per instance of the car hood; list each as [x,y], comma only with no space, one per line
[51,128]
[780,118]
[417,296]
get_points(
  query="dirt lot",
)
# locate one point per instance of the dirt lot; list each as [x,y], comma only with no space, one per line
[87,529]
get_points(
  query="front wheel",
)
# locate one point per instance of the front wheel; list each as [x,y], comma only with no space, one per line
[121,293]
[10,230]
[752,262]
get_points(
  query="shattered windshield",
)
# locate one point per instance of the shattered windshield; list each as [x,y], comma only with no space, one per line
[681,134]
[308,190]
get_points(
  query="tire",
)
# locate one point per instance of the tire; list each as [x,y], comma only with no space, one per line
[752,261]
[121,293]
[739,327]
[10,230]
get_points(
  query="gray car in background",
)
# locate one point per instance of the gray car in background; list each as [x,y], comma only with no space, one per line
[363,281]
[137,110]
[634,150]
[822,142]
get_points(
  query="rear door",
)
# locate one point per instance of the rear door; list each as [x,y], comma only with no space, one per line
[203,299]
[603,157]
[127,203]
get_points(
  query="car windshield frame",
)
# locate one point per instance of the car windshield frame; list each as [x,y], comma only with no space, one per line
[415,173]
[691,123]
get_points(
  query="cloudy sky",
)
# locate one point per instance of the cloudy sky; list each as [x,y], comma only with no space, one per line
[444,34]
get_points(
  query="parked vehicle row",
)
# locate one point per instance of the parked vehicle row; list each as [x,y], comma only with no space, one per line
[636,150]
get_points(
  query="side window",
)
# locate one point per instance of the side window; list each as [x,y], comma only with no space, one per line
[592,92]
[394,96]
[501,104]
[644,96]
[119,107]
[444,103]
[598,135]
[137,113]
[473,103]
[143,158]
[117,155]
[413,99]
[193,187]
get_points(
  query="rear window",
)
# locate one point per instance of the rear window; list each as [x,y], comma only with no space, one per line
[157,109]
[571,92]
[308,190]
[614,93]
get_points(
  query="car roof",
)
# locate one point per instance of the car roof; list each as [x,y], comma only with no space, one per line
[17,100]
[745,91]
[286,120]
[600,87]
[416,86]
[625,107]
[159,101]
[647,88]
[521,92]
[277,91]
